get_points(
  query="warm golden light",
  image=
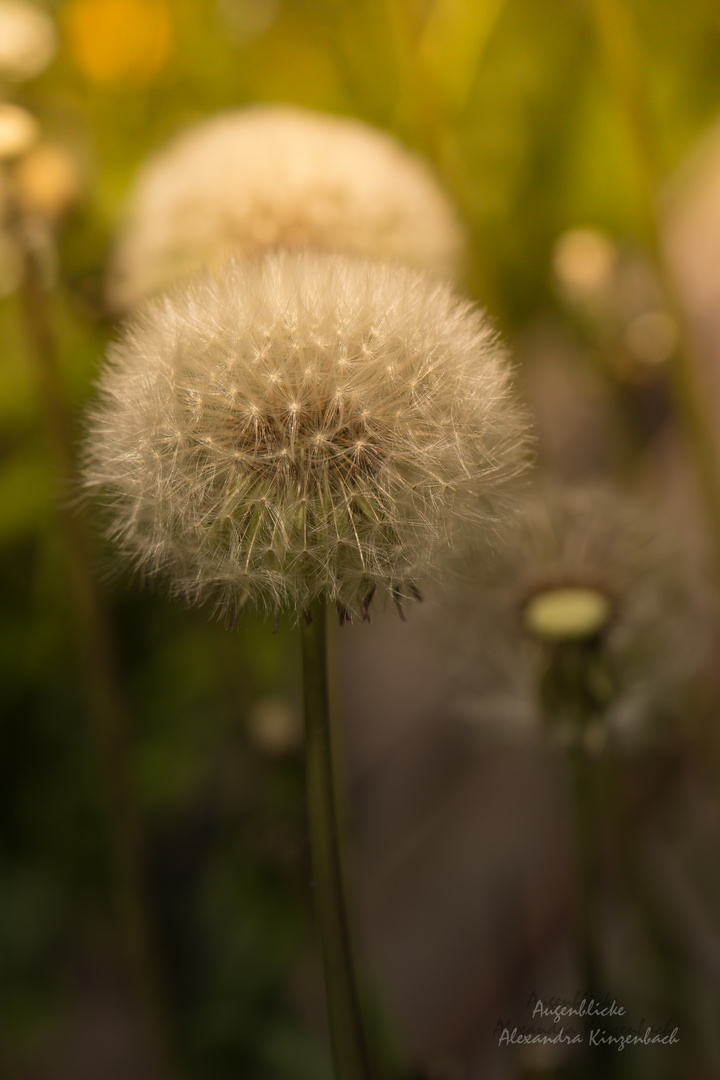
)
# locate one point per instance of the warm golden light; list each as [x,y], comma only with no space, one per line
[18,131]
[117,41]
[27,40]
[584,260]
[48,181]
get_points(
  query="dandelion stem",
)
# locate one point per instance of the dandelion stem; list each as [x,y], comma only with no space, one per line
[104,699]
[569,695]
[621,51]
[344,1017]
[585,784]
[583,780]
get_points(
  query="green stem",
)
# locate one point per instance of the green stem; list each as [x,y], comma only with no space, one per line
[344,1017]
[570,693]
[621,50]
[106,711]
[675,974]
[583,780]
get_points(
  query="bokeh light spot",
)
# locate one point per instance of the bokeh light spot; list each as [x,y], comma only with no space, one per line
[119,41]
[584,261]
[27,40]
[19,130]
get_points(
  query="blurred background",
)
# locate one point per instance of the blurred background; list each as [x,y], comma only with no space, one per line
[461,847]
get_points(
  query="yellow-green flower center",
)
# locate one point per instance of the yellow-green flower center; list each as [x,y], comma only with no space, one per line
[567,613]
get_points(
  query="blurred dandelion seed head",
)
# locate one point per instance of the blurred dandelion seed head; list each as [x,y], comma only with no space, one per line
[27,40]
[582,566]
[278,176]
[301,425]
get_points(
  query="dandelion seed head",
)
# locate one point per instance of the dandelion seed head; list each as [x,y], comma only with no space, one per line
[318,481]
[278,176]
[582,566]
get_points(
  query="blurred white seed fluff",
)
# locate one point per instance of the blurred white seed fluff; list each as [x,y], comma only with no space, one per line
[279,176]
[614,545]
[303,424]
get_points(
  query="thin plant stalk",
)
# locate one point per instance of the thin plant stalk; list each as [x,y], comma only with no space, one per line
[660,931]
[105,706]
[621,51]
[583,785]
[568,695]
[344,1015]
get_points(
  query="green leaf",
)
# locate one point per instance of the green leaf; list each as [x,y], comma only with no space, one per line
[452,45]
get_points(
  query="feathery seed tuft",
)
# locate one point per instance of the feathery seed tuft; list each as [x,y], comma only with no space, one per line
[303,424]
[278,176]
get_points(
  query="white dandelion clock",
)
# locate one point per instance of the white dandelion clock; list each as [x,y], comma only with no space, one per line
[591,606]
[278,176]
[301,426]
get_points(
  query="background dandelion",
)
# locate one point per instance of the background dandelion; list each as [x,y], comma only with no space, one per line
[276,176]
[587,564]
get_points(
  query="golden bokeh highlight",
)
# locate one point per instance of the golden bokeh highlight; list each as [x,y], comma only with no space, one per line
[584,261]
[27,40]
[48,181]
[119,41]
[19,130]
